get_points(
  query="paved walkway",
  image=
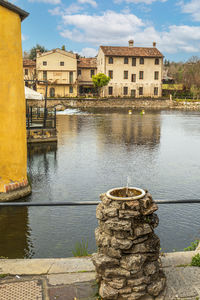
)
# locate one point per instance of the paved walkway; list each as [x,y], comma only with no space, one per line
[74,278]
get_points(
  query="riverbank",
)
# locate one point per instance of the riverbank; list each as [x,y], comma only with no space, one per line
[61,104]
[74,278]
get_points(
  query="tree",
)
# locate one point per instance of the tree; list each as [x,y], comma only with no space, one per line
[63,48]
[33,51]
[100,80]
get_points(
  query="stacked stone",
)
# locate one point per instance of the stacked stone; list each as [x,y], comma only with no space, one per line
[127,262]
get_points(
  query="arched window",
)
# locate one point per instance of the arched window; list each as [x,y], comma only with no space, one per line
[52,92]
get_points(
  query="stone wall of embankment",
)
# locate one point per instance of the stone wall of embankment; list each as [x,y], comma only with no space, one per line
[61,103]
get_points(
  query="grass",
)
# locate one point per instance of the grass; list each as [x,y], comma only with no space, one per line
[3,275]
[81,249]
[175,86]
[187,100]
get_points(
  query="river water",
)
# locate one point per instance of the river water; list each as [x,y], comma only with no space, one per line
[98,150]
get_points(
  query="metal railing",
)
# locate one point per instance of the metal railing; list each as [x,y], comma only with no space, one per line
[40,118]
[92,203]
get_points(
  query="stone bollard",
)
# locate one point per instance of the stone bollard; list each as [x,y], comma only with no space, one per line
[127,262]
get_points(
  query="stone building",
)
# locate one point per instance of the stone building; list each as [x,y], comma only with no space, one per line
[87,67]
[29,67]
[134,71]
[13,149]
[59,68]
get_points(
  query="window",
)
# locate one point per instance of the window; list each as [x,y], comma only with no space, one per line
[133,61]
[26,71]
[110,90]
[133,78]
[44,75]
[156,75]
[44,63]
[110,74]
[125,74]
[91,73]
[125,90]
[52,92]
[126,60]
[62,63]
[133,93]
[157,61]
[110,60]
[71,89]
[70,77]
[141,75]
[142,60]
[155,91]
[79,72]
[141,91]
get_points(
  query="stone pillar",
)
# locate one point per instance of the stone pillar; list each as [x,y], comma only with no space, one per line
[127,262]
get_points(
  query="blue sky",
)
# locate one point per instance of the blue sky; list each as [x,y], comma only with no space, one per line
[83,25]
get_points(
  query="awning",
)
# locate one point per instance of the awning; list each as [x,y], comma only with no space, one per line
[32,95]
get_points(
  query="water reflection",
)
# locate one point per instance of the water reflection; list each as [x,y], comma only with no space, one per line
[15,233]
[132,129]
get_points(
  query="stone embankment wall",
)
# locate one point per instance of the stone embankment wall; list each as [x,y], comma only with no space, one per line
[127,262]
[61,104]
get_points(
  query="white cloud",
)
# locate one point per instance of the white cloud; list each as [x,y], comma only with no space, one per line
[113,28]
[88,52]
[192,7]
[47,1]
[72,9]
[139,1]
[107,28]
[91,2]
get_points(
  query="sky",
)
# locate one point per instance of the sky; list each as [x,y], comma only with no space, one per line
[83,25]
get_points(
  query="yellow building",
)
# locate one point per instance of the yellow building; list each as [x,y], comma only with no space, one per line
[87,67]
[13,148]
[59,68]
[134,71]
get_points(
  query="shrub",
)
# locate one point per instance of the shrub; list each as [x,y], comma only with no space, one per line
[196,260]
[192,246]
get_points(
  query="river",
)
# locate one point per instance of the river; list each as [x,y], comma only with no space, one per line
[99,149]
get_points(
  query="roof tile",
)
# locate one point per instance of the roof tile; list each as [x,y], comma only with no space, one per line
[131,51]
[88,63]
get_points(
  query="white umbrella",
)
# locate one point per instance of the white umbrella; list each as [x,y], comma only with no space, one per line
[32,95]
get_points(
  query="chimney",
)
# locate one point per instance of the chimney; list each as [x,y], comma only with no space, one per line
[131,43]
[154,44]
[38,52]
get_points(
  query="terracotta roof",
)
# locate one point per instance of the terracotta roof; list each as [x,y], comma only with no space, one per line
[131,51]
[87,63]
[29,63]
[23,14]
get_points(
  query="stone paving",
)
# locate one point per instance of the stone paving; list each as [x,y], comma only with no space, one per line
[74,279]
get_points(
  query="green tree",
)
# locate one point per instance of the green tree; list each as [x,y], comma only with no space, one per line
[100,80]
[33,51]
[63,48]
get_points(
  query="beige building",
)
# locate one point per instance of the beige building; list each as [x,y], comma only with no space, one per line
[59,68]
[29,68]
[87,67]
[134,71]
